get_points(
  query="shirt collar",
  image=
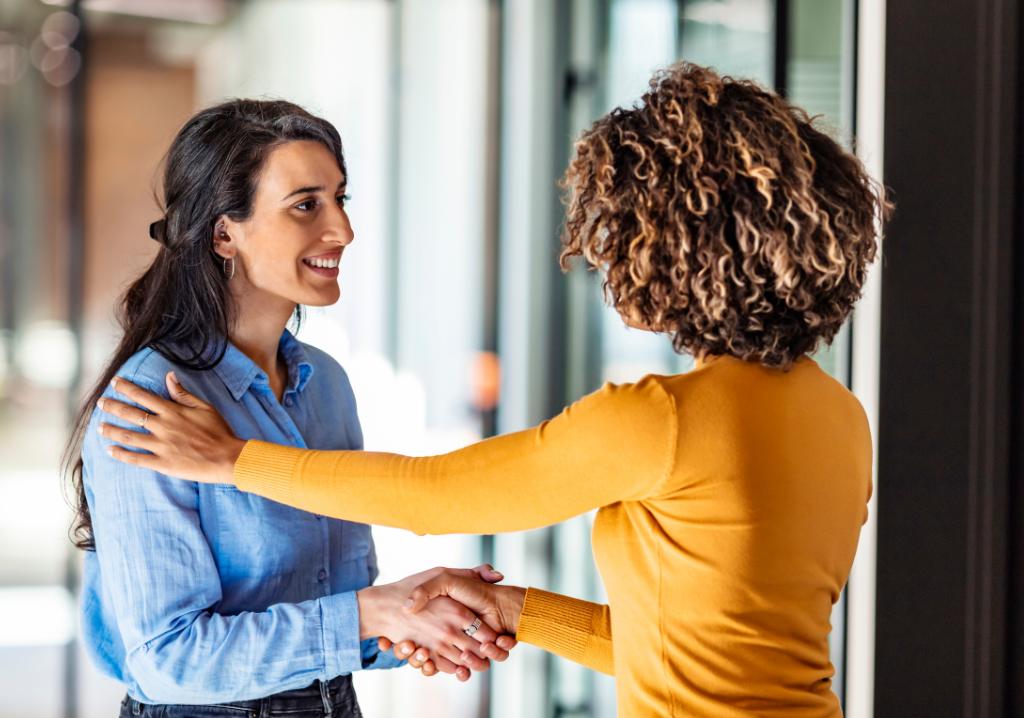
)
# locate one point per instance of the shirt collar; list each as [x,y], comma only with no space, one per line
[239,372]
[299,367]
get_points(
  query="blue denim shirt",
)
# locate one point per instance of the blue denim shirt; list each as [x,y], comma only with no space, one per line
[199,593]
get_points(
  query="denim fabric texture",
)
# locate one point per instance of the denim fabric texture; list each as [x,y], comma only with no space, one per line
[203,594]
[334,698]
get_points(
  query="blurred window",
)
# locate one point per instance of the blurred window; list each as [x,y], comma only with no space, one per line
[408,84]
[737,37]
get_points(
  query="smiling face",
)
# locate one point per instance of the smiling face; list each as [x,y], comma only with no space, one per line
[288,251]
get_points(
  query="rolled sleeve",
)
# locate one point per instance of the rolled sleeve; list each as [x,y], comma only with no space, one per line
[342,650]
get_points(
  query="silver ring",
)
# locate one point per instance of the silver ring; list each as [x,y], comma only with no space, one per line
[145,418]
[472,629]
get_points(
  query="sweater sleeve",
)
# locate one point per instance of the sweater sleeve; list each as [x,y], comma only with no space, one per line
[617,444]
[578,630]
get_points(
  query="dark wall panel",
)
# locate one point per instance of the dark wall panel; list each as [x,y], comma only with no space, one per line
[948,278]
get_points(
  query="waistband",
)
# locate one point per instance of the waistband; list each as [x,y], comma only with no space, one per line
[320,696]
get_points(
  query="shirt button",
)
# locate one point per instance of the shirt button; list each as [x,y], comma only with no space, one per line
[288,401]
[321,576]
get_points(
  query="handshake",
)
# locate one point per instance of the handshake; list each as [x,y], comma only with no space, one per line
[429,619]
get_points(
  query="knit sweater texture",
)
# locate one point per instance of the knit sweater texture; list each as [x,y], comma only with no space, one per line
[730,501]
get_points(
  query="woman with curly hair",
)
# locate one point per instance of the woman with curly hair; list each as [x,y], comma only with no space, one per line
[730,498]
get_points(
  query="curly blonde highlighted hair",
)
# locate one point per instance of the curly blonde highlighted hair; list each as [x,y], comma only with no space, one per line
[721,216]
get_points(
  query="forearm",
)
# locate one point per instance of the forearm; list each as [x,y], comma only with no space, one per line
[617,444]
[580,631]
[479,489]
[215,658]
[514,482]
[375,611]
[611,446]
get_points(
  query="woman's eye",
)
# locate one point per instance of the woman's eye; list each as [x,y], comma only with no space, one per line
[306,206]
[342,199]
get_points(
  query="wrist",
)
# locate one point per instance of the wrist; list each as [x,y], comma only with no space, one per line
[510,606]
[234,450]
[368,601]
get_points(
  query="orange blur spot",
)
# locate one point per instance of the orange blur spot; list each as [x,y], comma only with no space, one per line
[485,379]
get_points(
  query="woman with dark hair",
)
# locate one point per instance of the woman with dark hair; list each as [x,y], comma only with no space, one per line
[730,498]
[198,594]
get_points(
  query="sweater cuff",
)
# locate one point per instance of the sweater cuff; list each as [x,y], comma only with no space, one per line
[267,469]
[556,623]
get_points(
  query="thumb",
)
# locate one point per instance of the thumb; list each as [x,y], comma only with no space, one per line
[178,392]
[487,573]
[419,597]
[440,585]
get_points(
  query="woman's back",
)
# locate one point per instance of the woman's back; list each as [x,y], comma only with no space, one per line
[742,548]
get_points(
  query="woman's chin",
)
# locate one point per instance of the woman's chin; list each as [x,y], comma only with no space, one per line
[322,298]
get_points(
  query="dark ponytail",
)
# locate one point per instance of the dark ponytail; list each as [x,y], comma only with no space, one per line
[181,306]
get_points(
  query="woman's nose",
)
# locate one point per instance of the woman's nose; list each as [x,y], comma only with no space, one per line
[340,228]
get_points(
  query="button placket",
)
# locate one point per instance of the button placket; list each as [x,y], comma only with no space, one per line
[277,413]
[325,550]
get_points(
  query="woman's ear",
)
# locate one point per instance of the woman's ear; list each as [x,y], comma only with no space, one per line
[225,237]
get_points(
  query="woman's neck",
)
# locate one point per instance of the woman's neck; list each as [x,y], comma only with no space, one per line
[256,332]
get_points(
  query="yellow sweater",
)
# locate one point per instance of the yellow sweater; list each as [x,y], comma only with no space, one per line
[731,500]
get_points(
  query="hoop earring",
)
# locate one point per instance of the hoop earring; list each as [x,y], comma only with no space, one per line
[229,276]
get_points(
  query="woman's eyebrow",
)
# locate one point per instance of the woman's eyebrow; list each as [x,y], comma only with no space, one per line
[303,190]
[311,190]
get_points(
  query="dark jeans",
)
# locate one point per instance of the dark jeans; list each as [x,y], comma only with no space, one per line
[334,698]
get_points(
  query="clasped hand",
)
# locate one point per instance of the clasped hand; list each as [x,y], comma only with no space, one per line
[434,609]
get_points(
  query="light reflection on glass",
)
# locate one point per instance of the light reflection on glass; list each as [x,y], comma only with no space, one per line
[736,37]
[48,354]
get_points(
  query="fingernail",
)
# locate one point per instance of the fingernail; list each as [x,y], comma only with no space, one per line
[488,648]
[421,656]
[174,378]
[408,604]
[403,650]
[465,657]
[110,451]
[113,382]
[100,403]
[99,429]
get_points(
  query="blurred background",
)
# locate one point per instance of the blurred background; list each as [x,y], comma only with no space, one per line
[458,118]
[455,322]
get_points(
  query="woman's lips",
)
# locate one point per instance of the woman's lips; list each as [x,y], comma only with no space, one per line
[326,265]
[322,271]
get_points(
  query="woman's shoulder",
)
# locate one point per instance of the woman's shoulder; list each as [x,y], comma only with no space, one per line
[148,368]
[645,400]
[650,386]
[727,381]
[324,364]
